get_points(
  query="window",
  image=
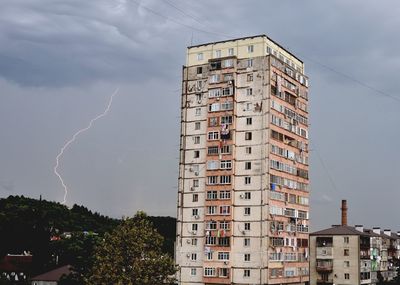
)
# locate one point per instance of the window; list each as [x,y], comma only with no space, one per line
[194,241]
[346,252]
[346,264]
[214,93]
[211,180]
[247,211]
[246,242]
[227,105]
[212,150]
[226,149]
[196,139]
[249,121]
[195,182]
[249,77]
[212,195]
[249,91]
[209,255]
[213,121]
[215,78]
[218,53]
[247,136]
[250,48]
[194,227]
[247,257]
[215,107]
[224,210]
[230,52]
[209,271]
[248,150]
[224,225]
[225,194]
[199,96]
[193,271]
[226,164]
[198,111]
[247,165]
[213,136]
[227,91]
[346,239]
[195,197]
[223,255]
[247,180]
[347,276]
[246,273]
[225,179]
[228,63]
[210,240]
[197,126]
[200,56]
[247,195]
[195,212]
[223,272]
[250,62]
[211,225]
[211,210]
[196,154]
[226,120]
[246,226]
[199,70]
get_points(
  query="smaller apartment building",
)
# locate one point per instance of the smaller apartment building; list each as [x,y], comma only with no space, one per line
[344,254]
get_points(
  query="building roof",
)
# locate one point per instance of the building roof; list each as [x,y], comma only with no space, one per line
[17,263]
[340,230]
[54,275]
[244,38]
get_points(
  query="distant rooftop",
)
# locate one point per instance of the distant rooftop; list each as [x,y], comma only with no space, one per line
[53,275]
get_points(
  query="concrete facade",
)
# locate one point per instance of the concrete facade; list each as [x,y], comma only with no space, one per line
[243,183]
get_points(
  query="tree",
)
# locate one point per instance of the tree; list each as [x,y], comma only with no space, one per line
[131,255]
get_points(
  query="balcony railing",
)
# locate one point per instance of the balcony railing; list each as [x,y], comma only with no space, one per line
[324,266]
[324,252]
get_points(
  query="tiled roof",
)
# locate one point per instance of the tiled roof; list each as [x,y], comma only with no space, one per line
[339,230]
[53,275]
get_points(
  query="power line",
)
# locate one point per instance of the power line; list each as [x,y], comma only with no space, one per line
[363,84]
[175,21]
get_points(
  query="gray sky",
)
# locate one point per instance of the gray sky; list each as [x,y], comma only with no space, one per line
[61,60]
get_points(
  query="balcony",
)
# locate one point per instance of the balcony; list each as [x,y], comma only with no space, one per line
[324,281]
[324,252]
[323,266]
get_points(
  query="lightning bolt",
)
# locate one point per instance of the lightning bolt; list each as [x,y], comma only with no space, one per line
[70,141]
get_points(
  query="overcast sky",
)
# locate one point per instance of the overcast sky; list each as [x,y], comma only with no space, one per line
[61,60]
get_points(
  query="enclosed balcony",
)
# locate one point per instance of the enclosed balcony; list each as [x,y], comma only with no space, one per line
[324,265]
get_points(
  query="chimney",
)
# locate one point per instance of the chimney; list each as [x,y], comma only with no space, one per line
[360,228]
[344,212]
[387,232]
[376,230]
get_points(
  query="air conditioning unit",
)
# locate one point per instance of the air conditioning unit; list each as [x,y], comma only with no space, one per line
[188,241]
[188,255]
[244,232]
[192,188]
[194,232]
[196,173]
[198,101]
[241,196]
[191,169]
[226,262]
[196,217]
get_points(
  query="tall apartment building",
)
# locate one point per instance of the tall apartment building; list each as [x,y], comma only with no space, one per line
[243,198]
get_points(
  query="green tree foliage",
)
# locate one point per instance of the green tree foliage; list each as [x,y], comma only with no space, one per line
[131,255]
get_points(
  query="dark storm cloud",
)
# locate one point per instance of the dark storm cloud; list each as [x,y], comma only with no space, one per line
[82,50]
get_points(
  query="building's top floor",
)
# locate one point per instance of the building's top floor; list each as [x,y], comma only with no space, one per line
[246,47]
